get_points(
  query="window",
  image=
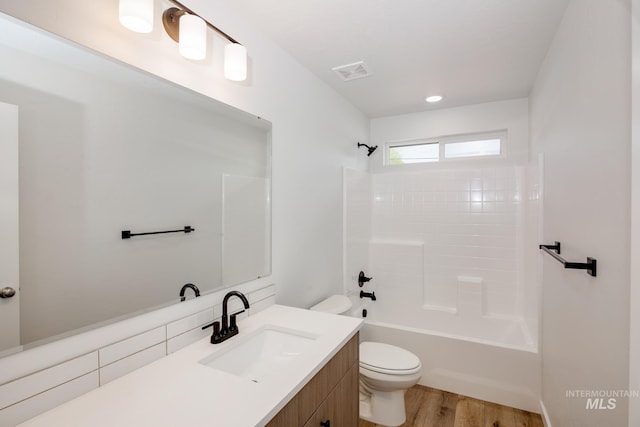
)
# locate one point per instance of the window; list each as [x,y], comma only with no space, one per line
[446,148]
[482,147]
[414,153]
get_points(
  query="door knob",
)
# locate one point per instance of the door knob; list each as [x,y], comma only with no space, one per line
[325,423]
[7,292]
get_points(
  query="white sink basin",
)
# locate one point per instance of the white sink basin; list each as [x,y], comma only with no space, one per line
[262,354]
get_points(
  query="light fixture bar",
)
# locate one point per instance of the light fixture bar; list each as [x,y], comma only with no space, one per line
[210,25]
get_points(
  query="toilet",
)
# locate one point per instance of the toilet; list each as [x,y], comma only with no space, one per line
[386,372]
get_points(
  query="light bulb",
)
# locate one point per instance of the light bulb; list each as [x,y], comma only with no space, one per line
[193,37]
[137,15]
[235,62]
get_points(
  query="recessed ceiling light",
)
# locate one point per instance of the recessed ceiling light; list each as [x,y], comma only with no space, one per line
[434,98]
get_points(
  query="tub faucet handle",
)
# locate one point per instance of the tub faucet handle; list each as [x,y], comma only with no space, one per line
[362,279]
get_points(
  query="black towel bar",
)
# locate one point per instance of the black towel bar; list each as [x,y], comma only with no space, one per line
[127,234]
[590,265]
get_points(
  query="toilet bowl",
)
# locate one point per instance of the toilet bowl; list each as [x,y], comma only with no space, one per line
[386,372]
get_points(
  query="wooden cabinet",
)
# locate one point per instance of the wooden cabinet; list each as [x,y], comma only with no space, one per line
[331,395]
[340,408]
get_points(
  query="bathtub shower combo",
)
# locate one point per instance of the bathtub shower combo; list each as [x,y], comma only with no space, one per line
[453,261]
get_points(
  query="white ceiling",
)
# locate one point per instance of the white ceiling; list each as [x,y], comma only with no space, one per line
[470,51]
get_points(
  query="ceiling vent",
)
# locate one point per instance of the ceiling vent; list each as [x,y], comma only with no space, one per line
[357,70]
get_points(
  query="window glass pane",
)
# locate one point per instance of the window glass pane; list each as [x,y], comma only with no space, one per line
[485,147]
[416,153]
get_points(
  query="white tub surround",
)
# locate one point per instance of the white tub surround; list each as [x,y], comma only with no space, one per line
[449,250]
[178,390]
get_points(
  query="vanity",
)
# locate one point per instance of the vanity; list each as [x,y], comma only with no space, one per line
[286,367]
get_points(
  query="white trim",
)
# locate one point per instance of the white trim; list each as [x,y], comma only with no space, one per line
[634,297]
[545,416]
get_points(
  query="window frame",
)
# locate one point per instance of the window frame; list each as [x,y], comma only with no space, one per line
[442,141]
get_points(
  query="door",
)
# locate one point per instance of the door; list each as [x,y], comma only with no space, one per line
[9,257]
[341,407]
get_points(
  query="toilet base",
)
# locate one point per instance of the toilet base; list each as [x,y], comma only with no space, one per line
[383,407]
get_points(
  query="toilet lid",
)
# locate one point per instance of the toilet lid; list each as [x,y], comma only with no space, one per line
[385,358]
[336,304]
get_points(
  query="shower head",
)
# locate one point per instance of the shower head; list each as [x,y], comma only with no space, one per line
[370,149]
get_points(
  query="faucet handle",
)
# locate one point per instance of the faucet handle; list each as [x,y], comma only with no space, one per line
[232,321]
[362,279]
[208,325]
[216,337]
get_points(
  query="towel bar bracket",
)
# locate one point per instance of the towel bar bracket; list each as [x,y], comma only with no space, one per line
[554,247]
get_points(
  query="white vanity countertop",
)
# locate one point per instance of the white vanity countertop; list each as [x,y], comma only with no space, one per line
[179,391]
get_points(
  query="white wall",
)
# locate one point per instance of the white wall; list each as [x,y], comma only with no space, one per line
[580,121]
[314,130]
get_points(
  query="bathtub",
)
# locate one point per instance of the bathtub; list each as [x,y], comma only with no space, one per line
[488,358]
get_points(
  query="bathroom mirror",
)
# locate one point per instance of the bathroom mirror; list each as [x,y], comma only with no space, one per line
[104,148]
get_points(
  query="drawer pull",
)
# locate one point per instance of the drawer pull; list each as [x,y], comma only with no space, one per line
[325,423]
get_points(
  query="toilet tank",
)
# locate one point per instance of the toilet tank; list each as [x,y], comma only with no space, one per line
[335,304]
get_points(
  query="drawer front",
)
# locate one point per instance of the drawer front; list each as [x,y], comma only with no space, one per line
[341,407]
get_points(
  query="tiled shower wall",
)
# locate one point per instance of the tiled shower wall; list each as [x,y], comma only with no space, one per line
[472,223]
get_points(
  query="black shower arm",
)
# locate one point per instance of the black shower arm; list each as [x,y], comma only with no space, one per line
[370,149]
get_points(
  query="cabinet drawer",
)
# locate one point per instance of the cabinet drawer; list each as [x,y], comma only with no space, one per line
[340,408]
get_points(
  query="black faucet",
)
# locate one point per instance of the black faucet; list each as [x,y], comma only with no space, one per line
[229,326]
[371,295]
[190,286]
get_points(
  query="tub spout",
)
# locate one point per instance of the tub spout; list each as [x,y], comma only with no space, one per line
[371,295]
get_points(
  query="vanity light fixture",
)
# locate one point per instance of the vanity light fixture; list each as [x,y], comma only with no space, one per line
[235,62]
[136,15]
[434,98]
[192,37]
[189,30]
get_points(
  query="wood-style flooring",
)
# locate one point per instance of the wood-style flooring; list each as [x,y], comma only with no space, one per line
[428,407]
